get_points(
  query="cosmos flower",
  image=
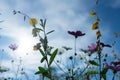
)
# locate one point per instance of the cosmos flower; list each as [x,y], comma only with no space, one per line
[33,21]
[92,48]
[113,67]
[13,46]
[76,34]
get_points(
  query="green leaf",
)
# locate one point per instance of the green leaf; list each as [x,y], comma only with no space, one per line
[43,72]
[42,52]
[104,71]
[91,72]
[104,76]
[38,72]
[44,58]
[52,57]
[44,23]
[93,62]
[50,31]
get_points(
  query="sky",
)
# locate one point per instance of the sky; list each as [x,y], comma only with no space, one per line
[61,15]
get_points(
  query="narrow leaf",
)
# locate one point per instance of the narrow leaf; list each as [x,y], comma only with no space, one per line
[104,76]
[93,62]
[44,22]
[104,71]
[53,56]
[38,72]
[91,72]
[42,70]
[41,51]
[43,59]
[50,31]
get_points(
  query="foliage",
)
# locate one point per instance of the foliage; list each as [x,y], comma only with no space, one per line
[87,67]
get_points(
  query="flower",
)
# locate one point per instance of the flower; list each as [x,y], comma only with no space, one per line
[33,21]
[37,47]
[76,34]
[92,13]
[95,24]
[98,33]
[13,46]
[92,48]
[113,67]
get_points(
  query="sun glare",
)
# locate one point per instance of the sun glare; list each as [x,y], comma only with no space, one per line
[25,45]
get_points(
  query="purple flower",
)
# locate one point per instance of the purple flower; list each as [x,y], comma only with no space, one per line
[13,46]
[76,34]
[92,48]
[113,67]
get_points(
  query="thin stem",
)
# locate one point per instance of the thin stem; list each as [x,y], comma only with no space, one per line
[59,67]
[113,76]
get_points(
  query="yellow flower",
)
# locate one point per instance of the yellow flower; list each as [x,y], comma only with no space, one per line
[33,21]
[92,13]
[98,33]
[95,24]
[35,48]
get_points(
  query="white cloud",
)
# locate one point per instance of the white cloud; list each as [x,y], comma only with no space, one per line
[61,16]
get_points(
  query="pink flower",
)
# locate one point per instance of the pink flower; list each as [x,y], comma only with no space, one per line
[92,48]
[113,66]
[76,34]
[13,46]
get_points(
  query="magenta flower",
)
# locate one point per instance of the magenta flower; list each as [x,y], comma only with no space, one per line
[92,48]
[113,67]
[76,34]
[13,46]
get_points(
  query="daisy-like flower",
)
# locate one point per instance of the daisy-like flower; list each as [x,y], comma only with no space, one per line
[92,48]
[76,34]
[33,21]
[113,67]
[13,47]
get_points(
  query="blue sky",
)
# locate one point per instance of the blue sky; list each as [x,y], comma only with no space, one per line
[61,15]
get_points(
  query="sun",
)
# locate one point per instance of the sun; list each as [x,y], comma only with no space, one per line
[25,45]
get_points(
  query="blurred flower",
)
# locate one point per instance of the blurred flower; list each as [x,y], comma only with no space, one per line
[92,13]
[13,46]
[33,21]
[115,55]
[60,51]
[3,69]
[76,34]
[67,48]
[92,48]
[98,33]
[37,47]
[95,24]
[115,63]
[113,67]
